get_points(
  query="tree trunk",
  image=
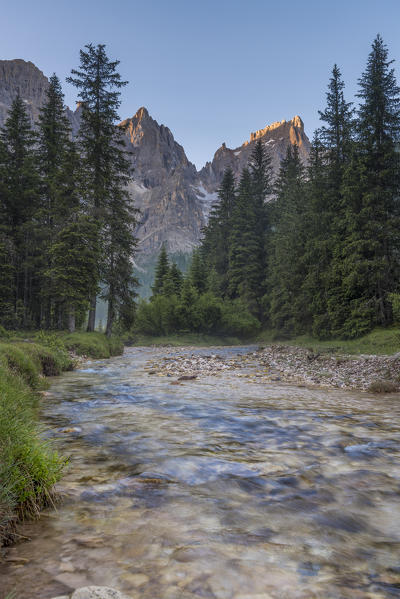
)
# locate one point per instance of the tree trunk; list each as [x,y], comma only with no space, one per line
[110,318]
[71,319]
[92,315]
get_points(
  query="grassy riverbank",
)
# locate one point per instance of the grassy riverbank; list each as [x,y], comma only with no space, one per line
[29,467]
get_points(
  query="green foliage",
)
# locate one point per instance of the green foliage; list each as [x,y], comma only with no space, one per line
[286,270]
[106,172]
[394,299]
[94,345]
[190,310]
[28,466]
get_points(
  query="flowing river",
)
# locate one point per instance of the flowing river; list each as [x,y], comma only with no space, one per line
[216,488]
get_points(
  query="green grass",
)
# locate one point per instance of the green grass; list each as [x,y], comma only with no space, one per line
[93,345]
[378,341]
[28,466]
[187,339]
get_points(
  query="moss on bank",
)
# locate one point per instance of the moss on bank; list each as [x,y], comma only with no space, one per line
[29,467]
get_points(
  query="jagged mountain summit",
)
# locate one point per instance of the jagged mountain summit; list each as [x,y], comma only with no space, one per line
[21,77]
[276,138]
[173,197]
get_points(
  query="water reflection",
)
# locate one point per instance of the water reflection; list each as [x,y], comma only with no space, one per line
[217,488]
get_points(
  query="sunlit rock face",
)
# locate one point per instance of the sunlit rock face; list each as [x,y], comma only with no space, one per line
[173,197]
[276,139]
[163,187]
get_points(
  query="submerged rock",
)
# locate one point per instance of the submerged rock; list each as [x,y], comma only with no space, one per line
[93,592]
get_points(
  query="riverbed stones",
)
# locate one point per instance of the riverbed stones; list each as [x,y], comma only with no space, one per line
[286,364]
[94,592]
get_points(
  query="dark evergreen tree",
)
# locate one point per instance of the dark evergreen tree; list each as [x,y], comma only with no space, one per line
[55,160]
[118,250]
[260,172]
[329,158]
[287,313]
[161,272]
[100,140]
[176,277]
[215,246]
[367,262]
[20,193]
[198,272]
[74,262]
[245,271]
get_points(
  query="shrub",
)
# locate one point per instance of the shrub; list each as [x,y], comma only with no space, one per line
[382,386]
[94,345]
[237,320]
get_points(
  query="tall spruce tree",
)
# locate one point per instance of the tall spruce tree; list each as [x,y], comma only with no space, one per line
[73,267]
[287,312]
[197,272]
[329,158]
[161,272]
[55,159]
[20,201]
[102,148]
[215,246]
[245,272]
[118,250]
[368,262]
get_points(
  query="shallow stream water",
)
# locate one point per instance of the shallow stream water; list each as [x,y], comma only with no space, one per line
[218,488]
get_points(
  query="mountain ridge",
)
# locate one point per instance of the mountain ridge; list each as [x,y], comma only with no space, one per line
[173,196]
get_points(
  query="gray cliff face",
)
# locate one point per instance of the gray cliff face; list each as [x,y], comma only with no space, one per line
[23,78]
[162,188]
[174,199]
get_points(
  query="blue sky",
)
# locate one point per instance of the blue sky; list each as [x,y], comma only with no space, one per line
[212,71]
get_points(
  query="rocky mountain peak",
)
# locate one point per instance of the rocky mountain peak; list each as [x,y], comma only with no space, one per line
[21,77]
[174,199]
[276,138]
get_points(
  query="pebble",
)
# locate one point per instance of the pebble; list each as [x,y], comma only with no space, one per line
[93,592]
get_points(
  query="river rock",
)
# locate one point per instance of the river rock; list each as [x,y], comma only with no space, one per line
[93,592]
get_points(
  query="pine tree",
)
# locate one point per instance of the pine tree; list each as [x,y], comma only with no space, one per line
[7,248]
[172,281]
[286,271]
[118,249]
[368,262]
[245,270]
[197,272]
[176,277]
[100,140]
[55,158]
[161,272]
[20,191]
[328,160]
[215,246]
[74,257]
[260,173]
